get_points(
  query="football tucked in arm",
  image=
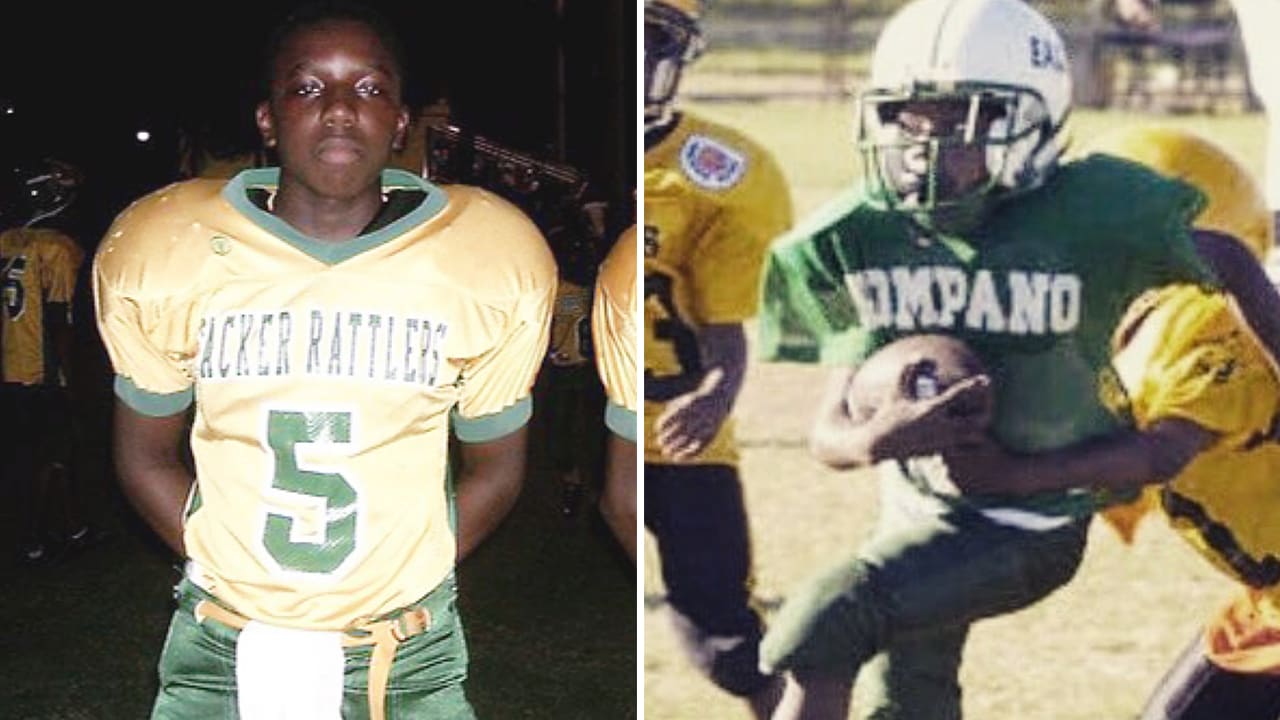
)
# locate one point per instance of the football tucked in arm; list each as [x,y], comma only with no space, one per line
[917,367]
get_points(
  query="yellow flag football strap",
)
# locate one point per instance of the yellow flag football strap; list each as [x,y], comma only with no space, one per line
[384,635]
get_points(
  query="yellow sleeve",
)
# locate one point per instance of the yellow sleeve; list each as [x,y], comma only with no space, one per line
[1190,359]
[496,385]
[615,320]
[142,326]
[61,264]
[725,271]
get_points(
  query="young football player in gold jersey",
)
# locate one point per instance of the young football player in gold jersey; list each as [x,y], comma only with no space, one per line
[332,321]
[1183,359]
[614,326]
[713,201]
[39,267]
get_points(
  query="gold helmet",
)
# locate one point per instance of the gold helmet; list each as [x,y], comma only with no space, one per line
[1236,205]
[672,39]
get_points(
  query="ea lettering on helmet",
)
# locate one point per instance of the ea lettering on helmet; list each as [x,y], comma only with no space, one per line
[1045,54]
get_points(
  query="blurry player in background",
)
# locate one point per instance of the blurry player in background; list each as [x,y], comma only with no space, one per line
[1183,359]
[615,323]
[1257,20]
[713,200]
[332,321]
[969,225]
[573,389]
[38,270]
[218,148]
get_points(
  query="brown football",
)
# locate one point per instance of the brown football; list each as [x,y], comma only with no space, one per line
[912,367]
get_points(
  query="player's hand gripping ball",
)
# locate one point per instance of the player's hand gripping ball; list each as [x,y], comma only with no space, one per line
[918,367]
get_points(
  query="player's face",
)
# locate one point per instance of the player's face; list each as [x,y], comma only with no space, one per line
[942,138]
[334,111]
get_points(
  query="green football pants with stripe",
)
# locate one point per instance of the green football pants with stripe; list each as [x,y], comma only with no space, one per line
[198,678]
[904,603]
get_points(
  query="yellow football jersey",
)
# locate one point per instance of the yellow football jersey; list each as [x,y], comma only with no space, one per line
[713,202]
[37,266]
[326,378]
[1190,359]
[614,323]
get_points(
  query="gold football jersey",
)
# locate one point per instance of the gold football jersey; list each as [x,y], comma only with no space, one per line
[1190,359]
[326,378]
[37,266]
[713,202]
[614,323]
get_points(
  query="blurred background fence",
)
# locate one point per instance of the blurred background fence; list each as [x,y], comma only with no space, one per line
[771,49]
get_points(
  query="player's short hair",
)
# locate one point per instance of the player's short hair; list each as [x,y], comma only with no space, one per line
[317,13]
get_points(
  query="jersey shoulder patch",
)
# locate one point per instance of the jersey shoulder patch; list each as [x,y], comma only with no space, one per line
[711,164]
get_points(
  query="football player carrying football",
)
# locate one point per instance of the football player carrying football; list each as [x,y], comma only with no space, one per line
[613,327]
[1182,358]
[331,320]
[968,225]
[713,200]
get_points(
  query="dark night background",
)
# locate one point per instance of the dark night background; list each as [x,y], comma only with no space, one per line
[82,80]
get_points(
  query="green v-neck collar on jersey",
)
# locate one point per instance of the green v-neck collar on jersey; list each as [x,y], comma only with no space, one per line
[331,253]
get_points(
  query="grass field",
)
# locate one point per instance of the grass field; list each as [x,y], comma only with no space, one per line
[1091,651]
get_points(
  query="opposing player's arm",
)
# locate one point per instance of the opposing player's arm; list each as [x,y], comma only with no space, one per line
[1253,297]
[1120,461]
[148,456]
[899,428]
[691,420]
[488,484]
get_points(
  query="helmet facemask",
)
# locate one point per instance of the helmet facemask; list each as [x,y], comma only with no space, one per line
[944,154]
[44,189]
[671,40]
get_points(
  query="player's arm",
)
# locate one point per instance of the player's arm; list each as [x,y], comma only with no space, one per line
[691,420]
[618,501]
[57,316]
[1252,295]
[1120,461]
[899,428]
[488,484]
[148,456]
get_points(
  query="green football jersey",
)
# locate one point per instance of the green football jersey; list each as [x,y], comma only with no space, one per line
[1036,291]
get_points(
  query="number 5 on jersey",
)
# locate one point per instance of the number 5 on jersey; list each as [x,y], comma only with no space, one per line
[312,516]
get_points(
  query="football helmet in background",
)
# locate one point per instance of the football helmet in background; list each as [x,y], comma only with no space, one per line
[672,39]
[1236,205]
[42,189]
[1000,63]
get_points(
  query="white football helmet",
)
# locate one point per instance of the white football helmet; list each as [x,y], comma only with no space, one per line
[1001,62]
[672,39]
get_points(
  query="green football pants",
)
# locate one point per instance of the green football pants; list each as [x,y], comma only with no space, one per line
[198,678]
[907,599]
